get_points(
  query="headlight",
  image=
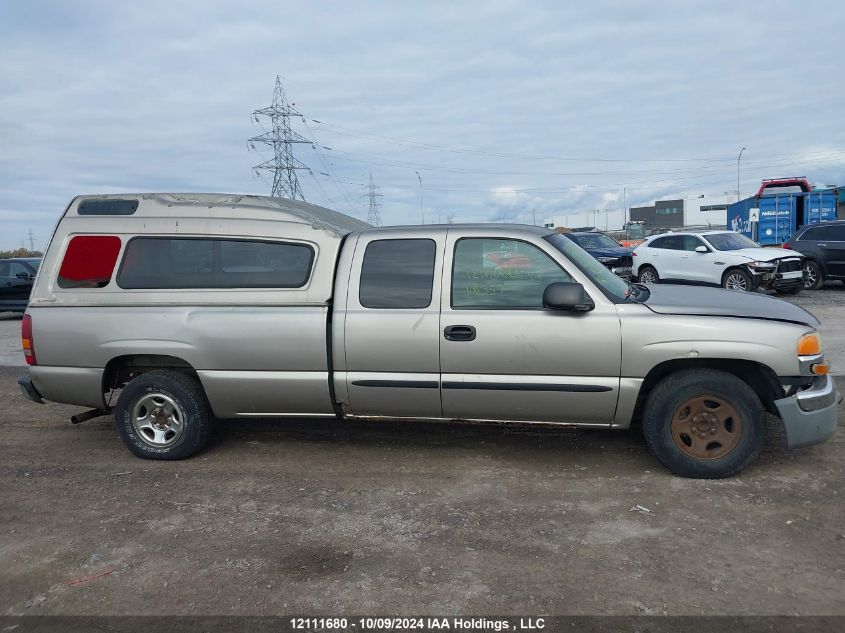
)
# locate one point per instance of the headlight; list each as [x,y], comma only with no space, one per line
[809,344]
[763,265]
[607,260]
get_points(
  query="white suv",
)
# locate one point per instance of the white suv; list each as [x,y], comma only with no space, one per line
[719,258]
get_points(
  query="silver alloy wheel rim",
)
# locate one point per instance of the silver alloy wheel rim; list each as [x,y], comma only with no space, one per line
[811,276]
[647,277]
[158,420]
[735,281]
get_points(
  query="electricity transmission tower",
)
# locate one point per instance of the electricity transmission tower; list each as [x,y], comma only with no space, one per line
[373,217]
[281,138]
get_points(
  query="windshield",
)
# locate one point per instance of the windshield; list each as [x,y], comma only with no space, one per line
[594,241]
[730,241]
[610,284]
[636,231]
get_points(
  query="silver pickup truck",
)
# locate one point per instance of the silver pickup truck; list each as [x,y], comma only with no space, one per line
[170,310]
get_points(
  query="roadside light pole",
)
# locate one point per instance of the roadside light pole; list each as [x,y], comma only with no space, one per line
[422,213]
[738,197]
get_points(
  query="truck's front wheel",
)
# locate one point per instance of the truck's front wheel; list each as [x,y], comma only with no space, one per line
[163,415]
[704,423]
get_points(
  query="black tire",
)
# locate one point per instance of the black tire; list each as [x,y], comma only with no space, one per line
[665,403]
[650,270]
[743,282]
[813,277]
[793,290]
[177,391]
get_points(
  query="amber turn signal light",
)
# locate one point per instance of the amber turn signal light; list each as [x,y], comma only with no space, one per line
[809,345]
[820,369]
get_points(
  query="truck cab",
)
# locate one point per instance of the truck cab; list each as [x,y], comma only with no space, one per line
[462,330]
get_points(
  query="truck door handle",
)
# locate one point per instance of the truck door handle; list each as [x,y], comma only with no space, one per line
[459,333]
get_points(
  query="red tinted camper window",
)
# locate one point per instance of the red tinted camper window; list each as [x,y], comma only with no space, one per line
[89,261]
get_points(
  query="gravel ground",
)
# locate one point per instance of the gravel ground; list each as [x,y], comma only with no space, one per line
[832,294]
[320,517]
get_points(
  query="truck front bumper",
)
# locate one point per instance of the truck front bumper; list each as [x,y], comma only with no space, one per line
[809,416]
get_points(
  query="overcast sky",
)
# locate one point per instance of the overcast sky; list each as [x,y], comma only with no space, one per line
[509,111]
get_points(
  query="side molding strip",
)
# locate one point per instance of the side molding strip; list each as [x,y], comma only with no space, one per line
[408,384]
[526,386]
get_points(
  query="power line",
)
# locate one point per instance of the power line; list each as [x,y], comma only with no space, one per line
[281,138]
[665,183]
[370,159]
[315,145]
[373,216]
[409,143]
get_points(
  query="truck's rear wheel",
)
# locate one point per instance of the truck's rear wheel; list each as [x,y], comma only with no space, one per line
[704,423]
[163,415]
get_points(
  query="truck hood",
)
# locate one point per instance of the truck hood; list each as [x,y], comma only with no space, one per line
[762,254]
[700,301]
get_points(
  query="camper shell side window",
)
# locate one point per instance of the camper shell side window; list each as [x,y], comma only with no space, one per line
[169,263]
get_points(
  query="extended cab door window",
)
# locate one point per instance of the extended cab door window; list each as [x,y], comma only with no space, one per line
[391,324]
[503,356]
[397,274]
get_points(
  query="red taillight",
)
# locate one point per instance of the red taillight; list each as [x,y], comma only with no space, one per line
[788,246]
[27,341]
[634,254]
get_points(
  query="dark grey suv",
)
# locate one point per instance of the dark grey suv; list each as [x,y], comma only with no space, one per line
[16,278]
[823,246]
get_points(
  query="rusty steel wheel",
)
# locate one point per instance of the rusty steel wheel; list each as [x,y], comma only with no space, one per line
[704,422]
[706,427]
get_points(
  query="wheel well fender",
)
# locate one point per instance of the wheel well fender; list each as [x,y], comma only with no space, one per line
[761,378]
[121,369]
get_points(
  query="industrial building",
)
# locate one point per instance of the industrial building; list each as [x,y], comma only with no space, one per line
[663,213]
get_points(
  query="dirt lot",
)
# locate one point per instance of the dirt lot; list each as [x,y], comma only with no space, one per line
[281,517]
[317,517]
